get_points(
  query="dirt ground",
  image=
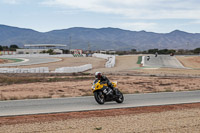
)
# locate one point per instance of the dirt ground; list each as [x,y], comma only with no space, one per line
[81,87]
[184,118]
[131,79]
[123,64]
[188,61]
[2,61]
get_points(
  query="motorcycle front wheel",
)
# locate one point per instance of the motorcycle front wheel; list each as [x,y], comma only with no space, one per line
[99,97]
[120,98]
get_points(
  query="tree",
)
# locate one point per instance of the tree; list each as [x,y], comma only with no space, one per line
[181,51]
[197,50]
[133,50]
[50,51]
[5,48]
[1,48]
[152,51]
[163,51]
[171,51]
[43,52]
[14,46]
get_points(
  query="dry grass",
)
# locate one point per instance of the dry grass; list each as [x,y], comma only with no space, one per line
[9,80]
[54,87]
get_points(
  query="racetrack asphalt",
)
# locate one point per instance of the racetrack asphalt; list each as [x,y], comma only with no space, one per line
[44,106]
[162,61]
[31,61]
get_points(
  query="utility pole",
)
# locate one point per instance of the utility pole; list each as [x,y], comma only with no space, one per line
[70,42]
[88,46]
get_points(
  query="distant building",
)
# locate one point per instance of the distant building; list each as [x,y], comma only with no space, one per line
[107,51]
[76,51]
[40,48]
[103,52]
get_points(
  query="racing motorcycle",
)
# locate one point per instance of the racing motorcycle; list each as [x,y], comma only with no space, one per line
[102,93]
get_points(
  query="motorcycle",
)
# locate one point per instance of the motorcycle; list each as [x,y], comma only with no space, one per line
[102,93]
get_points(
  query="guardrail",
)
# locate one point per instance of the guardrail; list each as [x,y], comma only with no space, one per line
[110,59]
[73,69]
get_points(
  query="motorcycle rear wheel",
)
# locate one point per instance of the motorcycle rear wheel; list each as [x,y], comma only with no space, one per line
[99,97]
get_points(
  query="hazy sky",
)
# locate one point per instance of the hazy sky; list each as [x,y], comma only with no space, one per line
[160,16]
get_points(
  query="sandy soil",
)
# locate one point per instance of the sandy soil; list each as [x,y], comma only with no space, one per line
[81,87]
[188,61]
[2,61]
[156,119]
[123,64]
[168,72]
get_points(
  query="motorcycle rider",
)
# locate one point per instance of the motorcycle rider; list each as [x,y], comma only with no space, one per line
[101,77]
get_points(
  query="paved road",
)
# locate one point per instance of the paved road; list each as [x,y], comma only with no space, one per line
[39,106]
[31,61]
[162,61]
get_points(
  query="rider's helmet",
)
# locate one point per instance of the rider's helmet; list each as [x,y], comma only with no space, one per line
[98,75]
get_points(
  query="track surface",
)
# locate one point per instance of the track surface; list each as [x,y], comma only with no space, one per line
[31,61]
[162,61]
[42,106]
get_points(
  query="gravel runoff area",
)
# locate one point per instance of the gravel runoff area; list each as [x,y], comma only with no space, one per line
[184,118]
[172,118]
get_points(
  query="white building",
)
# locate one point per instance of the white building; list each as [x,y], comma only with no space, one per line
[39,48]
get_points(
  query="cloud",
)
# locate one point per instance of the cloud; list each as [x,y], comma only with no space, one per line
[136,9]
[195,22]
[11,1]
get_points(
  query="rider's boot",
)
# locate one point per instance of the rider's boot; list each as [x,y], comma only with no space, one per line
[116,91]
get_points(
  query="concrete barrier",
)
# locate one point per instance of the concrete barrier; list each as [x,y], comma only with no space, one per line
[142,62]
[110,59]
[46,69]
[25,70]
[110,62]
[73,69]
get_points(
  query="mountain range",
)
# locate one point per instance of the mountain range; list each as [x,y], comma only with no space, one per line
[100,39]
